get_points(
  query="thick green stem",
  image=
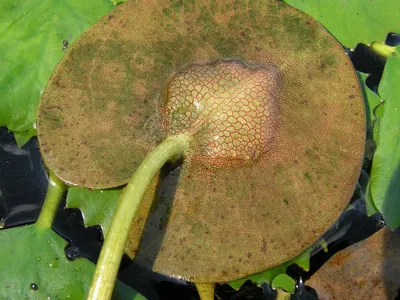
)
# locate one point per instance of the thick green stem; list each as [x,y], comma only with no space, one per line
[54,194]
[111,253]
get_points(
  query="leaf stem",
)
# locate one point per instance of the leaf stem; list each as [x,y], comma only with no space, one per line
[282,295]
[111,253]
[55,190]
[206,290]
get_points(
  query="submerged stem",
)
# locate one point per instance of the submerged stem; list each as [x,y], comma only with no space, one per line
[54,193]
[113,249]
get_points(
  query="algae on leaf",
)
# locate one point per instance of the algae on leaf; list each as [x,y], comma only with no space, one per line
[32,34]
[356,21]
[385,174]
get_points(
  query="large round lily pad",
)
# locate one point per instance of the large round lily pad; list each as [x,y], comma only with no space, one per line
[102,112]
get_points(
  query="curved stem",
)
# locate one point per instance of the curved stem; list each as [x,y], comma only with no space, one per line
[55,190]
[111,253]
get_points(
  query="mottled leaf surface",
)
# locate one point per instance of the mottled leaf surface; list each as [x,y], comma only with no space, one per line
[369,269]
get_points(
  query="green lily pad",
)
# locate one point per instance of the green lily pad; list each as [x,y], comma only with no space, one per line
[97,206]
[32,34]
[385,174]
[285,282]
[371,100]
[22,137]
[38,268]
[269,276]
[356,21]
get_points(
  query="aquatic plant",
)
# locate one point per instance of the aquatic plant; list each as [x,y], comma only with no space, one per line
[178,60]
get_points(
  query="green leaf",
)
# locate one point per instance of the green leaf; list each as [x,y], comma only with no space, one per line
[371,100]
[22,137]
[32,34]
[285,282]
[34,255]
[369,202]
[303,261]
[97,206]
[385,174]
[356,21]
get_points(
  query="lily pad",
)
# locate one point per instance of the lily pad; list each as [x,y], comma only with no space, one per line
[372,100]
[223,213]
[32,34]
[385,173]
[303,261]
[353,22]
[97,206]
[42,271]
[367,270]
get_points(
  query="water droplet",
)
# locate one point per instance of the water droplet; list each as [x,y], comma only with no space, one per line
[34,286]
[381,223]
[73,252]
[50,265]
[37,259]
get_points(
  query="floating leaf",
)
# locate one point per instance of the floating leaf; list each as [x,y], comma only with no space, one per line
[136,62]
[303,261]
[32,34]
[353,22]
[97,206]
[284,281]
[369,269]
[38,268]
[369,202]
[385,174]
[371,100]
[22,137]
